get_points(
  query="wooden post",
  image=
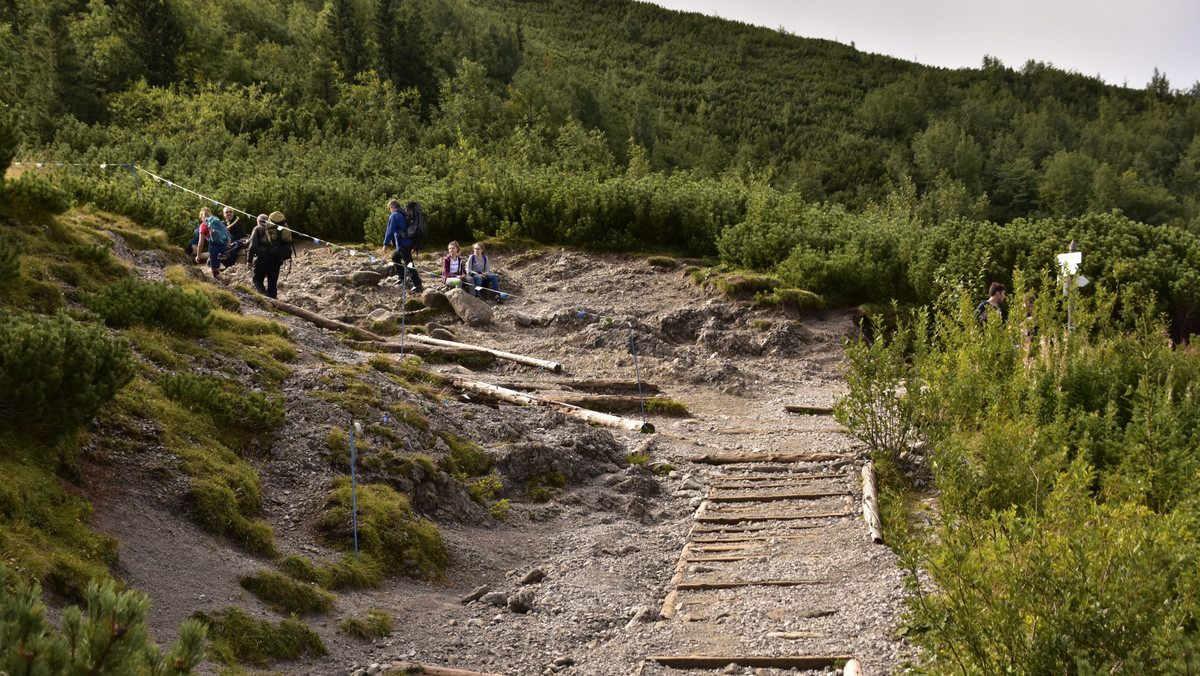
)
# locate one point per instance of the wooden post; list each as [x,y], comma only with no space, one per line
[871,504]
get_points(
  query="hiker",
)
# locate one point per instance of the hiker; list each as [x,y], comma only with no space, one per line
[263,254]
[996,293]
[233,223]
[237,242]
[397,234]
[212,231]
[481,272]
[454,268]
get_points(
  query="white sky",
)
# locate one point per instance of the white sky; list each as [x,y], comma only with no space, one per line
[1121,41]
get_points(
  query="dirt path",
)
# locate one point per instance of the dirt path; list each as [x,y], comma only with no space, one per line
[608,549]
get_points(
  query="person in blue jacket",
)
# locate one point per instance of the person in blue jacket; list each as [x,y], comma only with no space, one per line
[397,235]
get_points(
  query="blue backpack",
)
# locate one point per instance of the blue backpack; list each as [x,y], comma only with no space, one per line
[218,234]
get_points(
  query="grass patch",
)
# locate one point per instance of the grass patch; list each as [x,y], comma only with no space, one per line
[744,284]
[667,407]
[761,324]
[387,530]
[543,487]
[285,595]
[466,458]
[238,638]
[364,573]
[377,624]
[662,262]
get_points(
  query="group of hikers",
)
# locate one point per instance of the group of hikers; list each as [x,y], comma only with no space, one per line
[270,244]
[267,247]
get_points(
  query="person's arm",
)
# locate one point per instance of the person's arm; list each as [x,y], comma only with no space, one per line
[202,239]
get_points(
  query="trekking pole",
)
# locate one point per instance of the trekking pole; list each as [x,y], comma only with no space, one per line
[646,427]
[403,309]
[353,488]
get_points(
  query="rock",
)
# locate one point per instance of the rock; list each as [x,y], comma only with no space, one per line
[642,615]
[521,602]
[476,594]
[381,315]
[436,300]
[374,670]
[366,278]
[523,319]
[564,661]
[534,576]
[682,326]
[359,672]
[441,334]
[498,599]
[473,311]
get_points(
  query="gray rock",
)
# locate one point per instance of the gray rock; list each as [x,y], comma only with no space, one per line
[473,311]
[441,334]
[367,278]
[521,602]
[476,594]
[381,315]
[534,576]
[642,615]
[498,599]
[524,319]
[435,300]
[682,326]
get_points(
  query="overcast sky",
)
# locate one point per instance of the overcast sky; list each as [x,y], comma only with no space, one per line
[1121,41]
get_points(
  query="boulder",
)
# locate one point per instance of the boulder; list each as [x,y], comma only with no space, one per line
[367,278]
[473,311]
[436,300]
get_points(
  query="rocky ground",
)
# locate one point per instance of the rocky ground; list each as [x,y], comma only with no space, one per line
[606,547]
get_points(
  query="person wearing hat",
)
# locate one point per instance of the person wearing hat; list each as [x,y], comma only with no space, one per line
[263,253]
[397,234]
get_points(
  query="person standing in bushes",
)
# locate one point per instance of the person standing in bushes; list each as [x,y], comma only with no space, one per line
[397,235]
[991,306]
[454,268]
[263,253]
[212,231]
[481,273]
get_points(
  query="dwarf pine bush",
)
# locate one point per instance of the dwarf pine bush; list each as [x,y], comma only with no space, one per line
[56,373]
[129,301]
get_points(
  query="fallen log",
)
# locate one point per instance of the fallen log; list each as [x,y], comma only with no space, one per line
[320,320]
[418,668]
[871,504]
[603,402]
[706,586]
[738,458]
[574,411]
[808,410]
[630,385]
[411,348]
[810,662]
[520,359]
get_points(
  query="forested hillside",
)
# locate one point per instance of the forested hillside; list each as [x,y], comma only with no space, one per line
[614,124]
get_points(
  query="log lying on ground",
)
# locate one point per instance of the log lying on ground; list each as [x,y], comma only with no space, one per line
[603,402]
[319,320]
[624,385]
[737,458]
[412,348]
[808,410]
[418,668]
[871,504]
[810,662]
[514,397]
[520,359]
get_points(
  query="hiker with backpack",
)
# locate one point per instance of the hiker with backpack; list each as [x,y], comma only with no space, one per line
[270,246]
[213,231]
[405,236]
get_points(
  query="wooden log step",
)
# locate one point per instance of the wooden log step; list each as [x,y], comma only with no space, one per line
[756,538]
[776,477]
[735,510]
[724,548]
[767,517]
[725,559]
[430,670]
[817,430]
[811,662]
[774,497]
[583,384]
[743,458]
[808,410]
[752,528]
[683,586]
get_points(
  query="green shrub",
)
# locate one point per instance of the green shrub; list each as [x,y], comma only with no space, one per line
[129,301]
[110,639]
[665,262]
[667,407]
[32,198]
[544,486]
[466,458]
[799,299]
[387,529]
[55,373]
[364,573]
[94,254]
[10,260]
[239,638]
[219,399]
[377,624]
[286,595]
[742,284]
[217,509]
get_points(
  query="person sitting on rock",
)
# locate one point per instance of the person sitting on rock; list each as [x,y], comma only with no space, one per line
[454,269]
[481,273]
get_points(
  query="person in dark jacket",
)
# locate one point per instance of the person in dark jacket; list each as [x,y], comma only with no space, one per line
[991,306]
[262,254]
[397,234]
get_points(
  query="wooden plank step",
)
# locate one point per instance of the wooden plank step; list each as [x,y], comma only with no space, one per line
[744,458]
[772,497]
[810,662]
[776,477]
[768,517]
[750,539]
[755,583]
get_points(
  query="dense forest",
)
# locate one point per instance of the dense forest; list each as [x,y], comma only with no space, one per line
[860,177]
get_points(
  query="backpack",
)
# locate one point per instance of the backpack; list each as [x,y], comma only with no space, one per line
[415,216]
[279,242]
[218,234]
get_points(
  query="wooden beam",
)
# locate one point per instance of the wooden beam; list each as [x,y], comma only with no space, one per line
[775,497]
[811,662]
[519,398]
[767,517]
[808,410]
[411,348]
[756,538]
[520,359]
[319,320]
[752,528]
[583,384]
[738,458]
[683,586]
[429,670]
[871,504]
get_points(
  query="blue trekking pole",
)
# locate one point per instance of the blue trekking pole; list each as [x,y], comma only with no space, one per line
[353,489]
[646,427]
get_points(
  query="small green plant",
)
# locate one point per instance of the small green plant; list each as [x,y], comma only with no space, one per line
[10,260]
[698,275]
[387,529]
[337,446]
[761,324]
[499,509]
[665,262]
[466,458]
[667,407]
[128,301]
[543,487]
[800,300]
[110,639]
[639,459]
[285,595]
[485,489]
[377,624]
[365,572]
[217,509]
[741,284]
[239,638]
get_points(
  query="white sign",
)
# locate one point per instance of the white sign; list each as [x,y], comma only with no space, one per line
[1069,262]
